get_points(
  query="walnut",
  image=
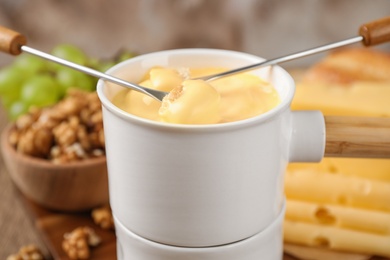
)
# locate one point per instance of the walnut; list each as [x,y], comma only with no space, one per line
[69,131]
[77,243]
[43,140]
[77,150]
[55,151]
[103,217]
[30,252]
[64,134]
[82,136]
[94,139]
[71,106]
[49,119]
[97,117]
[26,143]
[35,142]
[85,116]
[25,121]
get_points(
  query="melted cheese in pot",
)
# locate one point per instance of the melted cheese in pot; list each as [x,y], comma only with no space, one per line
[196,101]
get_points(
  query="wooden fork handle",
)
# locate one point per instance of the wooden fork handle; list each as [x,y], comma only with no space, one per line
[11,41]
[357,137]
[375,32]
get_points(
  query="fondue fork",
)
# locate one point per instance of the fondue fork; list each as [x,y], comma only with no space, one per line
[372,33]
[14,43]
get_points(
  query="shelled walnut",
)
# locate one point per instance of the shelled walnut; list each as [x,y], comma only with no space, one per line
[77,243]
[102,217]
[71,130]
[30,252]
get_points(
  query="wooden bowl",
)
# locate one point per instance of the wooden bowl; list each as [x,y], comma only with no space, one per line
[76,186]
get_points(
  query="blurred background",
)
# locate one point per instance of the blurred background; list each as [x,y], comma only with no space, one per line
[261,27]
[267,28]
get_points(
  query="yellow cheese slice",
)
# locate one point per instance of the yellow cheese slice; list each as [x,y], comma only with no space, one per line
[336,238]
[317,253]
[357,99]
[338,189]
[339,216]
[375,169]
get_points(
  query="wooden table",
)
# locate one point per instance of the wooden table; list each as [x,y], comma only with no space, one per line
[16,228]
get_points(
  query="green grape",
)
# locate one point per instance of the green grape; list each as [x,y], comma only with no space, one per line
[71,53]
[40,90]
[11,80]
[7,100]
[104,66]
[69,78]
[17,109]
[125,55]
[93,83]
[93,63]
[30,64]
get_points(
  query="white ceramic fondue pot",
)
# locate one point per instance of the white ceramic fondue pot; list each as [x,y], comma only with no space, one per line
[203,185]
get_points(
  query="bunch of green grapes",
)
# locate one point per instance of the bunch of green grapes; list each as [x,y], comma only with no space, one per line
[31,81]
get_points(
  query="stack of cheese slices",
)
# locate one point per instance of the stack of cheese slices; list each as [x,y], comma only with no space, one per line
[342,204]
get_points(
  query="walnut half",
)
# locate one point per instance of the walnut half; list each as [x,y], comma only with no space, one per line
[77,243]
[30,252]
[103,217]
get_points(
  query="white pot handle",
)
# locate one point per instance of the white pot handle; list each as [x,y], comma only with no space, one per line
[308,136]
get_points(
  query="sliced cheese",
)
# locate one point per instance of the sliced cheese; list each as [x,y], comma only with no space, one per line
[339,216]
[316,253]
[342,204]
[358,99]
[375,169]
[338,189]
[336,238]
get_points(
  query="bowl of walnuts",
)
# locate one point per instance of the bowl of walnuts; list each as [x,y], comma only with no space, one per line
[56,155]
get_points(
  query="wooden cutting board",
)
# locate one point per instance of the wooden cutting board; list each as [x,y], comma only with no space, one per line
[53,225]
